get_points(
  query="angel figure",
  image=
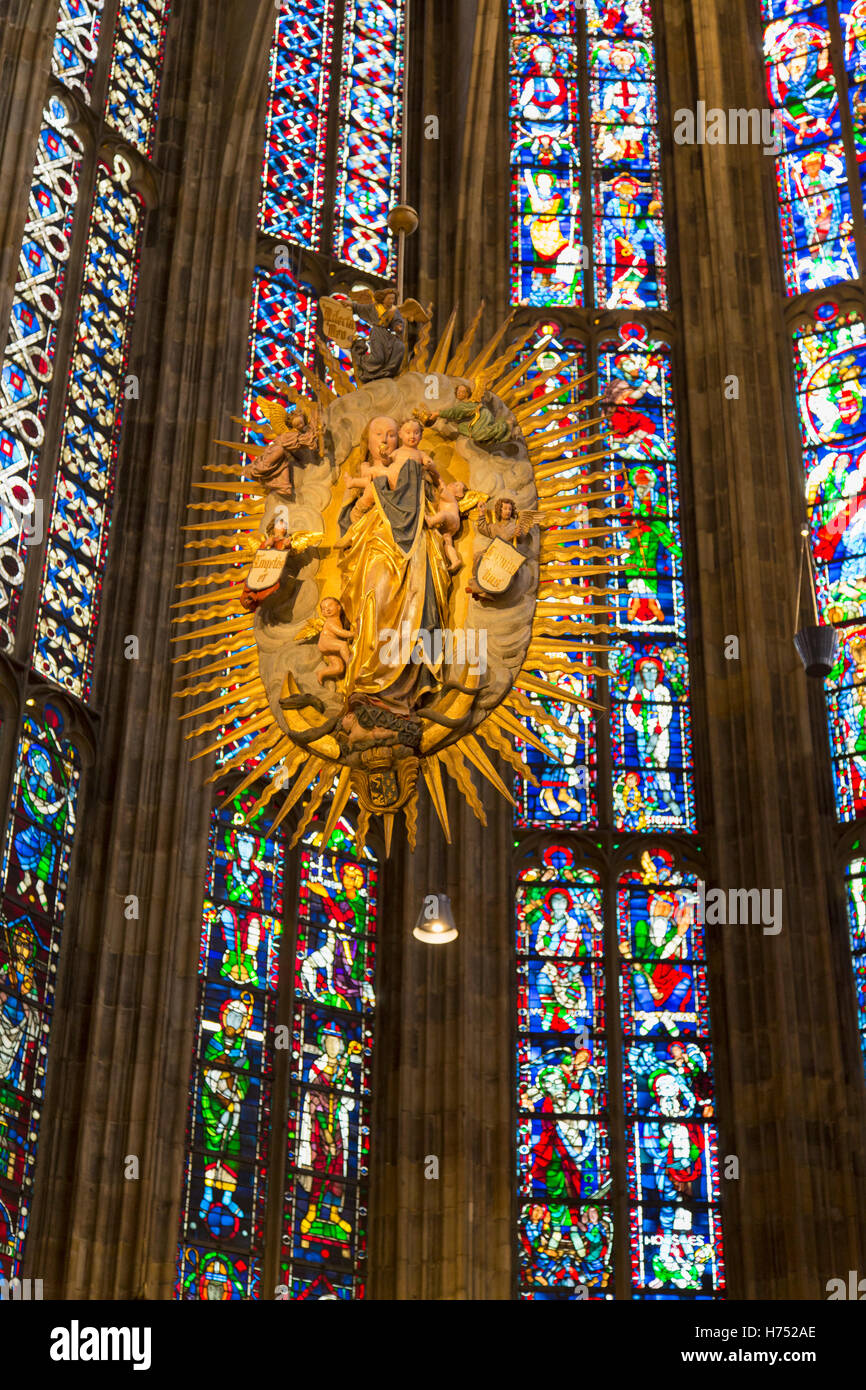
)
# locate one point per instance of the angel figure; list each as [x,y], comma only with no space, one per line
[382,354]
[454,502]
[297,443]
[332,629]
[277,537]
[505,523]
[471,416]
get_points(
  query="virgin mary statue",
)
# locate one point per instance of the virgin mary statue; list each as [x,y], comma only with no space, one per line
[393,573]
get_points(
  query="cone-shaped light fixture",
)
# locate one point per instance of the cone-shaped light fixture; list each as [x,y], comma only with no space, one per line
[817,644]
[435,923]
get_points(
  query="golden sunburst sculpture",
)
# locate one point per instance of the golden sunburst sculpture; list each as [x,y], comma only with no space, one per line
[403,564]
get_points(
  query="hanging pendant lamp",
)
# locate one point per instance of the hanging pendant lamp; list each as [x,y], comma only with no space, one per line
[818,643]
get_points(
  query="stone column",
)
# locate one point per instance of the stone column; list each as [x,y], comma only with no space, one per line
[443,1069]
[790,1080]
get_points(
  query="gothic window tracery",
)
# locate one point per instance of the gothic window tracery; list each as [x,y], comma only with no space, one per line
[815,62]
[55,509]
[321,207]
[617,1146]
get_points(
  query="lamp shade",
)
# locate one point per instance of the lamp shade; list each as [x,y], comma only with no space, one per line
[818,647]
[435,923]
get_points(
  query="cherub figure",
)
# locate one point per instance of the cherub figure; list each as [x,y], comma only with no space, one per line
[454,502]
[363,481]
[334,634]
[294,446]
[410,437]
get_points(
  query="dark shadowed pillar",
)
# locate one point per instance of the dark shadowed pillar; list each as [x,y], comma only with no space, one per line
[444,1048]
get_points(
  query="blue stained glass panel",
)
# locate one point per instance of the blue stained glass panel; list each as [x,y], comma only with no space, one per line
[816,222]
[282,334]
[325,1209]
[566,772]
[34,874]
[629,245]
[547,255]
[651,746]
[84,483]
[564,1176]
[846,713]
[369,153]
[76,44]
[27,368]
[856,890]
[225,1175]
[629,19]
[830,356]
[671,1139]
[132,100]
[293,175]
[635,380]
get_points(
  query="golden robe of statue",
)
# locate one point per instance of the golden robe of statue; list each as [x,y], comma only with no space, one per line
[393,572]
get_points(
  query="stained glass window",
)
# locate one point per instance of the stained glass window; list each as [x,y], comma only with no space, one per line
[650,730]
[563,1143]
[77,545]
[293,180]
[368,155]
[76,43]
[605,779]
[820,176]
[830,353]
[651,737]
[812,178]
[846,708]
[324,1229]
[635,375]
[564,766]
[225,1181]
[35,865]
[856,887]
[556,234]
[42,815]
[852,17]
[282,316]
[28,361]
[671,1140]
[136,66]
[546,216]
[84,483]
[628,231]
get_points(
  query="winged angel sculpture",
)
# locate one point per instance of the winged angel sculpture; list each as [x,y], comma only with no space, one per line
[401,567]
